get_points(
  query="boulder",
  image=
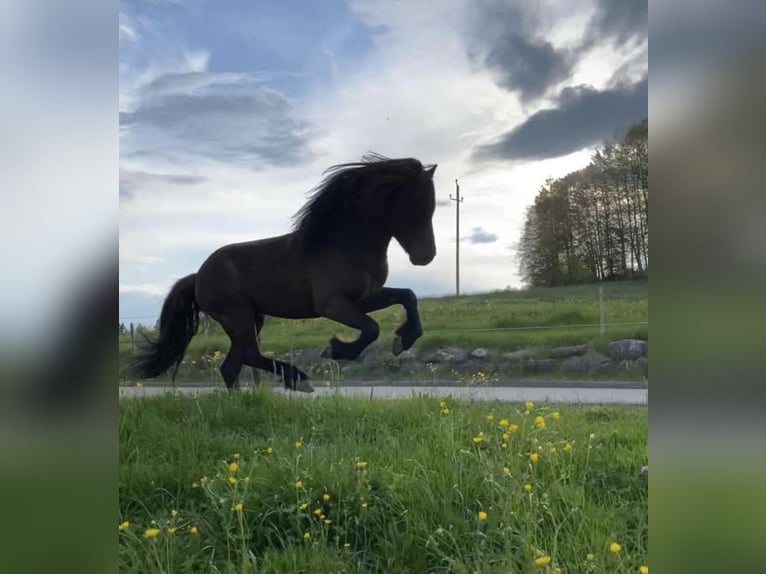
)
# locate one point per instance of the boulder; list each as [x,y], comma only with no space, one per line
[480,353]
[569,351]
[628,348]
[446,355]
[589,362]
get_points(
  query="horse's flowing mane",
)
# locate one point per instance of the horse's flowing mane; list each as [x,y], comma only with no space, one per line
[353,192]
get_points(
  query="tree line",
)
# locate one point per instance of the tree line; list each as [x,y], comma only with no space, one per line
[592,224]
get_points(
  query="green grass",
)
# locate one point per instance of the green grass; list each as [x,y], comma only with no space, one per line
[502,321]
[415,505]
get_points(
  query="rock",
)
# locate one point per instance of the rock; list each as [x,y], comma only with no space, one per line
[480,353]
[628,348]
[540,365]
[446,355]
[569,351]
[642,364]
[519,354]
[591,361]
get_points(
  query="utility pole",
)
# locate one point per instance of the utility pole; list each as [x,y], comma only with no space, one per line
[458,200]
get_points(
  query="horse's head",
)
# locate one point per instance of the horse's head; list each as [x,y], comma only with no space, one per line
[411,219]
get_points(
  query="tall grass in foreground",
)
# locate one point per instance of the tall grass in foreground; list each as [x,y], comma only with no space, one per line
[257,482]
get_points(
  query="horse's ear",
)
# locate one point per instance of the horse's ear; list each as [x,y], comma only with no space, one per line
[430,170]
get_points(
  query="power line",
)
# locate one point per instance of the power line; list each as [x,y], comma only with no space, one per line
[458,200]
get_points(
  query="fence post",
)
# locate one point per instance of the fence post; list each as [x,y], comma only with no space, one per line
[601,311]
[132,339]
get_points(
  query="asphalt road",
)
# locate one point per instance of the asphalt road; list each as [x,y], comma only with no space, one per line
[601,393]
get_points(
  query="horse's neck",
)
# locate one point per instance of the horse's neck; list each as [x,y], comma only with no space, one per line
[372,247]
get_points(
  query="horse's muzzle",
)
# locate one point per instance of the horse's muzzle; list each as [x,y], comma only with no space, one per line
[422,259]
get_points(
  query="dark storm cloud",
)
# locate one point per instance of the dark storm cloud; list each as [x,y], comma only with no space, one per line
[219,116]
[507,39]
[479,235]
[618,20]
[583,117]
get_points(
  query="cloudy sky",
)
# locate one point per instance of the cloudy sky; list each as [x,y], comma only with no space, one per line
[231,110]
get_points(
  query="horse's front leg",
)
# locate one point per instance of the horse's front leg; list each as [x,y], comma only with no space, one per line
[339,308]
[409,331]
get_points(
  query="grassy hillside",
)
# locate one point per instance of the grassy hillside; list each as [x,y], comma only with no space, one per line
[500,321]
[258,482]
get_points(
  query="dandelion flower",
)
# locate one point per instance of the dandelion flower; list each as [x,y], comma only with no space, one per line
[232,480]
[299,484]
[539,422]
[527,488]
[442,404]
[327,521]
[534,457]
[529,405]
[193,530]
[553,450]
[591,436]
[504,423]
[513,428]
[235,456]
[172,529]
[151,532]
[318,511]
[542,561]
[482,515]
[233,467]
[237,507]
[445,411]
[364,505]
[124,525]
[489,418]
[478,439]
[307,535]
[298,444]
[589,556]
[615,547]
[361,465]
[269,450]
[504,445]
[643,570]
[555,415]
[173,513]
[568,447]
[506,470]
[326,497]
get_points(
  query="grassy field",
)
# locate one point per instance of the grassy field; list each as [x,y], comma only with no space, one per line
[257,482]
[500,322]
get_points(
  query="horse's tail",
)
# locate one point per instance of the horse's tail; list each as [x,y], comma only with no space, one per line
[179,321]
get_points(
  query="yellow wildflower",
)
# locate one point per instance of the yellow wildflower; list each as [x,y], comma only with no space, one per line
[442,404]
[513,428]
[304,506]
[589,556]
[269,450]
[347,545]
[568,447]
[534,457]
[555,415]
[172,529]
[318,511]
[489,418]
[364,505]
[542,561]
[307,535]
[327,521]
[235,456]
[173,513]
[506,436]
[237,507]
[445,411]
[193,530]
[527,488]
[529,405]
[482,515]
[326,497]
[504,445]
[615,547]
[643,570]
[233,467]
[361,465]
[246,479]
[591,436]
[232,480]
[504,423]
[478,439]
[506,470]
[539,422]
[151,532]
[299,484]
[553,450]
[556,570]
[124,525]
[298,444]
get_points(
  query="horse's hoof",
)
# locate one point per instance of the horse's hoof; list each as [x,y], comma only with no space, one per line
[303,386]
[397,347]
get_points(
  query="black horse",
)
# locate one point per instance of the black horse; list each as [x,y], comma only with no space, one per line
[333,264]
